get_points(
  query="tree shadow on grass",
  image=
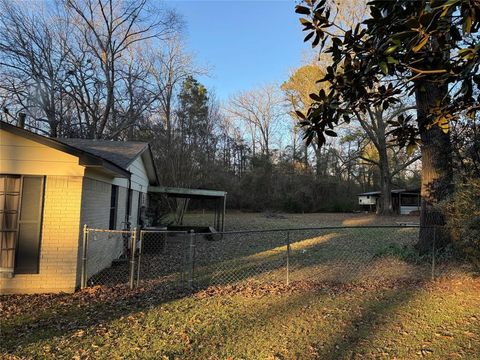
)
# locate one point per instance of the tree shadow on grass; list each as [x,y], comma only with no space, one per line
[27,319]
[358,317]
[350,344]
[71,313]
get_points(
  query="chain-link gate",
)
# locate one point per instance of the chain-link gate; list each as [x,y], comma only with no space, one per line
[108,257]
[114,257]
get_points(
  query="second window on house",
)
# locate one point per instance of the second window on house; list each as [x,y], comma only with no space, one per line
[113,208]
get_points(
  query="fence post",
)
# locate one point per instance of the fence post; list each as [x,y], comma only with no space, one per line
[132,256]
[433,251]
[191,259]
[139,254]
[83,279]
[288,258]
[184,260]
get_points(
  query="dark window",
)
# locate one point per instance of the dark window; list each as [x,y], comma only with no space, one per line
[140,209]
[113,207]
[410,200]
[130,199]
[21,208]
[129,208]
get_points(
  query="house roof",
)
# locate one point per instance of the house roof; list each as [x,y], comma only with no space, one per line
[114,156]
[121,153]
[86,158]
[369,193]
[394,191]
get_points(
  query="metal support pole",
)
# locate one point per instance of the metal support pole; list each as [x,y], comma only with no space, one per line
[224,211]
[288,258]
[83,279]
[217,211]
[433,251]
[191,259]
[132,257]
[399,203]
[139,255]
[184,264]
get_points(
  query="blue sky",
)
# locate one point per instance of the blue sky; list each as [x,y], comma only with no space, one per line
[246,43]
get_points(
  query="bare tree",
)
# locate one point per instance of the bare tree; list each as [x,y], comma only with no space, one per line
[105,30]
[375,126]
[167,67]
[33,53]
[260,110]
[73,66]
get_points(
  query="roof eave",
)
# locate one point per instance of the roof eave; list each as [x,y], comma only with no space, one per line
[84,158]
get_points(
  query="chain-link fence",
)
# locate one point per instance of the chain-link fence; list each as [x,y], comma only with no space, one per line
[162,256]
[323,255]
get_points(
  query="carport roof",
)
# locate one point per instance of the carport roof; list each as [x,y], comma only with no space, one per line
[187,193]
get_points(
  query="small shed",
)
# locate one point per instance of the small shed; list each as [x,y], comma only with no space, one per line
[404,201]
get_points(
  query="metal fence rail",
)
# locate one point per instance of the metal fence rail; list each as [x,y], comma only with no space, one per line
[322,254]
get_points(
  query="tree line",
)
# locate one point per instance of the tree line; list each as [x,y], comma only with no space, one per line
[103,69]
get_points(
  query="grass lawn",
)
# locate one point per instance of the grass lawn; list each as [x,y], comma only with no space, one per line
[379,314]
[236,220]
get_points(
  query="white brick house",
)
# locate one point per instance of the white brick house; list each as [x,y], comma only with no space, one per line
[50,188]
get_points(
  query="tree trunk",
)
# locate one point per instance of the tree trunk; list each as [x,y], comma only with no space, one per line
[436,167]
[386,207]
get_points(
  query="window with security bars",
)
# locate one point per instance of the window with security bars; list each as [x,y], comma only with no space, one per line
[21,203]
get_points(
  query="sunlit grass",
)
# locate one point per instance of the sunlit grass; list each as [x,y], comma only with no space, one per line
[386,307]
[360,221]
[440,320]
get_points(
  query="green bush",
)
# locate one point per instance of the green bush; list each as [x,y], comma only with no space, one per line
[405,253]
[463,219]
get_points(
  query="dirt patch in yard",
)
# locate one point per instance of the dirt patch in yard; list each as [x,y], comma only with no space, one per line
[250,221]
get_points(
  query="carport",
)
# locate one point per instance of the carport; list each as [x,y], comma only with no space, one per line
[219,197]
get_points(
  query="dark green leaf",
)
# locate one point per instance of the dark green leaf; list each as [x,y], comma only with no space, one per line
[302,10]
[309,36]
[384,67]
[300,115]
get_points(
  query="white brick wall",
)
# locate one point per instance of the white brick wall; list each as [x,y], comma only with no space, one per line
[102,247]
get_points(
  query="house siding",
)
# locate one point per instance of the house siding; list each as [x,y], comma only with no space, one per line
[134,209]
[139,177]
[26,157]
[103,248]
[122,206]
[59,242]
